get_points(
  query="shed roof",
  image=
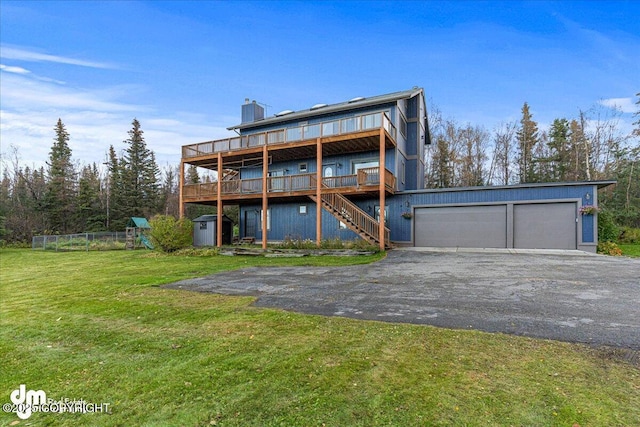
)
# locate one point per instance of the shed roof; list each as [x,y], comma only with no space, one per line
[208,218]
[352,104]
[138,222]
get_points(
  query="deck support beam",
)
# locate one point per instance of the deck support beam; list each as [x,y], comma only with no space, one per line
[265,172]
[383,174]
[181,195]
[219,207]
[319,192]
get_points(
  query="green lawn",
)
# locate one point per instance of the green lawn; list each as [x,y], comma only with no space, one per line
[96,326]
[630,249]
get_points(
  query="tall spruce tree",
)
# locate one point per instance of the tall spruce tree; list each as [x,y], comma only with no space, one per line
[60,198]
[116,212]
[527,137]
[140,188]
[560,157]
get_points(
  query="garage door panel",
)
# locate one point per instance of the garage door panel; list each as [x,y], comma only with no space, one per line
[545,226]
[461,226]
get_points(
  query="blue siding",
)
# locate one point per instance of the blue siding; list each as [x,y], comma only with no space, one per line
[401,228]
[412,135]
[343,164]
[287,222]
[410,172]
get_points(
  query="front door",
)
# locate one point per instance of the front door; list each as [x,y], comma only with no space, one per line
[328,172]
[250,223]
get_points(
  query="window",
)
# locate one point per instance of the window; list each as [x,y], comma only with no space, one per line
[342,225]
[302,210]
[268,220]
[355,166]
[402,168]
[403,125]
[203,225]
[302,167]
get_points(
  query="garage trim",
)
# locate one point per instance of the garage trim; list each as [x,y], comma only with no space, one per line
[510,223]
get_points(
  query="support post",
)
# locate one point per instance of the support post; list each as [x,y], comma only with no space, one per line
[382,188]
[318,192]
[265,206]
[181,184]
[219,208]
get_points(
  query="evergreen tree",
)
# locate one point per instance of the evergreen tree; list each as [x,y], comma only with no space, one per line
[560,157]
[140,188]
[116,215]
[61,183]
[526,137]
[90,215]
[192,175]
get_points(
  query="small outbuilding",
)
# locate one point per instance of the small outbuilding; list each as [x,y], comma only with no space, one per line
[205,228]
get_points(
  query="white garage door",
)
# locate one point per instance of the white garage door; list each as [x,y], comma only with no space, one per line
[545,226]
[461,226]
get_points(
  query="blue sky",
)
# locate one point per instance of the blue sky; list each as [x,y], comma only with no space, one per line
[184,68]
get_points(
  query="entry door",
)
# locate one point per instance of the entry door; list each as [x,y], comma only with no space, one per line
[250,223]
[328,172]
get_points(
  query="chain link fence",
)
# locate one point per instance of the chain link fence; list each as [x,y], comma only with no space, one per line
[102,241]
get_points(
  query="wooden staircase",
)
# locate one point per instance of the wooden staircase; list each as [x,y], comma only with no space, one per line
[355,218]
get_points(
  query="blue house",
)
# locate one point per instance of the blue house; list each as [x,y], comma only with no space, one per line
[356,169]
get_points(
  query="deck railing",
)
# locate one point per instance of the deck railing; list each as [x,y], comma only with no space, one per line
[293,134]
[356,216]
[288,183]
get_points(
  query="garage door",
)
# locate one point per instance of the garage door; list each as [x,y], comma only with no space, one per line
[461,226]
[545,226]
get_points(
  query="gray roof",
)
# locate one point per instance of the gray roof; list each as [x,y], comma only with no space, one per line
[353,104]
[208,218]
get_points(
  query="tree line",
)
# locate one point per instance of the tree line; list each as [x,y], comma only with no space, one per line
[66,197]
[591,146]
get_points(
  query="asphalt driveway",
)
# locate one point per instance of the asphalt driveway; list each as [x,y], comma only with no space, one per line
[568,297]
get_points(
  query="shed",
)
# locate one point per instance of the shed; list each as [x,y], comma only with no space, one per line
[205,228]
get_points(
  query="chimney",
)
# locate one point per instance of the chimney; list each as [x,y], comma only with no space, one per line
[251,112]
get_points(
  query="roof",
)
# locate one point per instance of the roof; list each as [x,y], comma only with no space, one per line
[321,109]
[208,218]
[139,222]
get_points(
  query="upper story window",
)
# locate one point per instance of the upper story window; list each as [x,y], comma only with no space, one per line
[302,168]
[403,125]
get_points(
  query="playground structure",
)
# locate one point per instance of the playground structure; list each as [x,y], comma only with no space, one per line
[135,237]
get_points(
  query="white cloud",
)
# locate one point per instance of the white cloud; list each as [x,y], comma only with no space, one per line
[31,56]
[94,118]
[16,70]
[23,93]
[626,105]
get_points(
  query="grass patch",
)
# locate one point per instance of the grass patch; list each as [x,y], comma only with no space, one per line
[632,250]
[96,326]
